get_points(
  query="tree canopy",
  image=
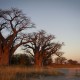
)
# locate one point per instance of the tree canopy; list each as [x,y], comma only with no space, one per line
[13,22]
[42,46]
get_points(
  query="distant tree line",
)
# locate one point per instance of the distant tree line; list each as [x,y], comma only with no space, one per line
[70,61]
[27,60]
[63,60]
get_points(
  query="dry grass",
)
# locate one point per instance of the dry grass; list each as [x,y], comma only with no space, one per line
[65,66]
[25,73]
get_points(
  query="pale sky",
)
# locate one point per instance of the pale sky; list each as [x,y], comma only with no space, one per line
[58,17]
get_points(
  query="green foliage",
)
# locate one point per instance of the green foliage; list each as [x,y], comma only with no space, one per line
[21,59]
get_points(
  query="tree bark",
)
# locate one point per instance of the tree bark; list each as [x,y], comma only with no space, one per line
[4,57]
[38,60]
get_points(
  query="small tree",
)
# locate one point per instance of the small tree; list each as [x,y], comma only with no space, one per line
[49,61]
[60,60]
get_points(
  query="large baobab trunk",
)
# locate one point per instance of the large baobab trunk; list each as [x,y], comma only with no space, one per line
[4,57]
[38,60]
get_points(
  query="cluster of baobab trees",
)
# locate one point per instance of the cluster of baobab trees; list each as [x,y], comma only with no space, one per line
[13,34]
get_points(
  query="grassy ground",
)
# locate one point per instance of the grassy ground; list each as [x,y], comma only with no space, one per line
[24,73]
[65,66]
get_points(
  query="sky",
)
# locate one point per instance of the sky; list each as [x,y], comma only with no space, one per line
[58,17]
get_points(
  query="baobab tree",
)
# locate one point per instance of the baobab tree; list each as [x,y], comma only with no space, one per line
[42,47]
[12,35]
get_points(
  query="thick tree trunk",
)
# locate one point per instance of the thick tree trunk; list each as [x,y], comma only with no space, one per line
[4,57]
[38,61]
